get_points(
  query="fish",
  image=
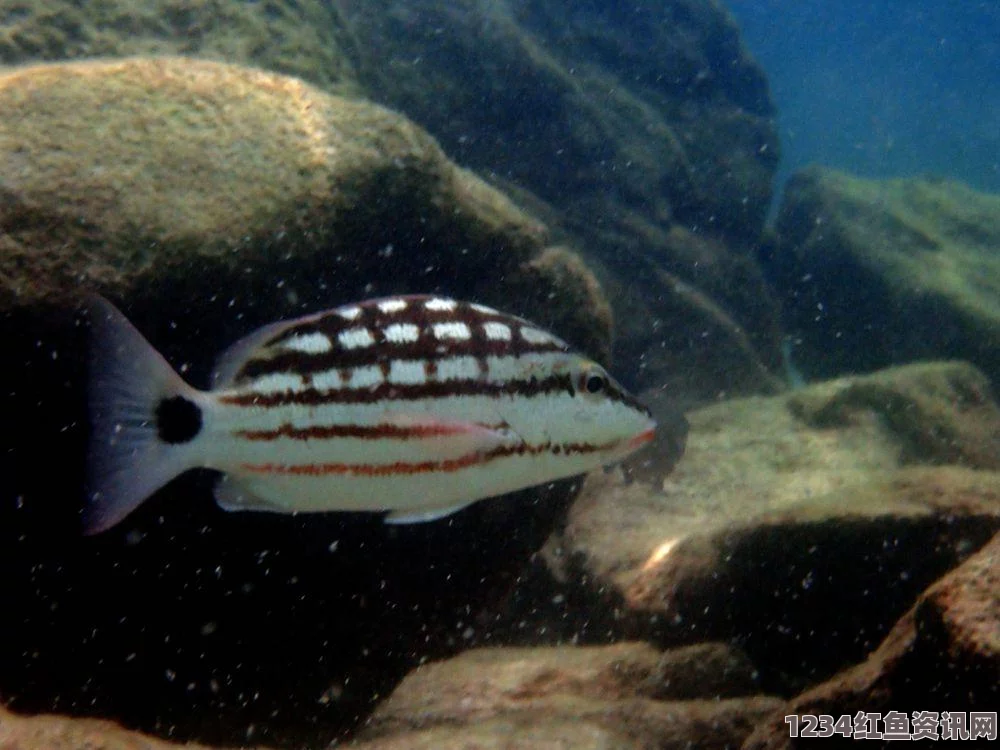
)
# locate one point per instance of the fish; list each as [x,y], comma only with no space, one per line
[414,406]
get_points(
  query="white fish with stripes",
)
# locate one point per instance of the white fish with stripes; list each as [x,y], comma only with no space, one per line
[416,406]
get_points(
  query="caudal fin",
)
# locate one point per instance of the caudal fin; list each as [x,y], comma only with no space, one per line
[130,383]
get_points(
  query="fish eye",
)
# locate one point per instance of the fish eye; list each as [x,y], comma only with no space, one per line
[594,382]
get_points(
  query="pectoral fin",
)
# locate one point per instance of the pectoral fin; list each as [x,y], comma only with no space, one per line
[474,437]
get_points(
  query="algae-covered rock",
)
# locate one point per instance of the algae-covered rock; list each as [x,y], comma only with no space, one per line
[561,99]
[881,272]
[49,732]
[942,413]
[645,131]
[648,132]
[610,689]
[944,651]
[701,322]
[304,38]
[801,525]
[504,734]
[127,176]
[615,114]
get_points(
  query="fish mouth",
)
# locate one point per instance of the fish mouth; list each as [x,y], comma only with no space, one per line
[646,436]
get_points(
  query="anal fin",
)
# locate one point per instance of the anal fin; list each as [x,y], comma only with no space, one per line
[231,494]
[424,515]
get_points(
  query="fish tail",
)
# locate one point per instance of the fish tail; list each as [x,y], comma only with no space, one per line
[143,419]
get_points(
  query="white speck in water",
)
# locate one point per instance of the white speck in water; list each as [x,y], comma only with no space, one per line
[331,694]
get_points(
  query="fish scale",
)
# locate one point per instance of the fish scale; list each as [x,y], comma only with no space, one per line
[415,405]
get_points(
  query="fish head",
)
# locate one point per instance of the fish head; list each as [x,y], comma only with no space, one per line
[580,410]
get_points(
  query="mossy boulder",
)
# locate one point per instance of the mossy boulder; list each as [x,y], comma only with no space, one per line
[169,179]
[55,732]
[570,696]
[699,320]
[305,38]
[875,272]
[647,133]
[561,100]
[945,650]
[644,133]
[614,114]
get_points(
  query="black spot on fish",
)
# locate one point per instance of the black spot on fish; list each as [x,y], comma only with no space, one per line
[177,420]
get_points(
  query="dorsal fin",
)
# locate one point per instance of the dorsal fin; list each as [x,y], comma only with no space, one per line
[231,361]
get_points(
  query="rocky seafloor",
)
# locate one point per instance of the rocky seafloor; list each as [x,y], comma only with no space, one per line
[796,561]
[825,549]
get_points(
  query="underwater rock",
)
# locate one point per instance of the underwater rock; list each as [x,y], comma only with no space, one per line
[645,132]
[699,321]
[269,188]
[801,526]
[304,38]
[65,733]
[561,100]
[618,689]
[618,115]
[209,199]
[942,655]
[940,413]
[704,670]
[504,734]
[874,273]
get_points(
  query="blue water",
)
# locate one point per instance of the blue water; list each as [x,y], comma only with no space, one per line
[883,88]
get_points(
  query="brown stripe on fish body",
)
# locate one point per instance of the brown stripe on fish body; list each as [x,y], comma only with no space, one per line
[405,468]
[430,388]
[413,328]
[316,390]
[358,431]
[399,392]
